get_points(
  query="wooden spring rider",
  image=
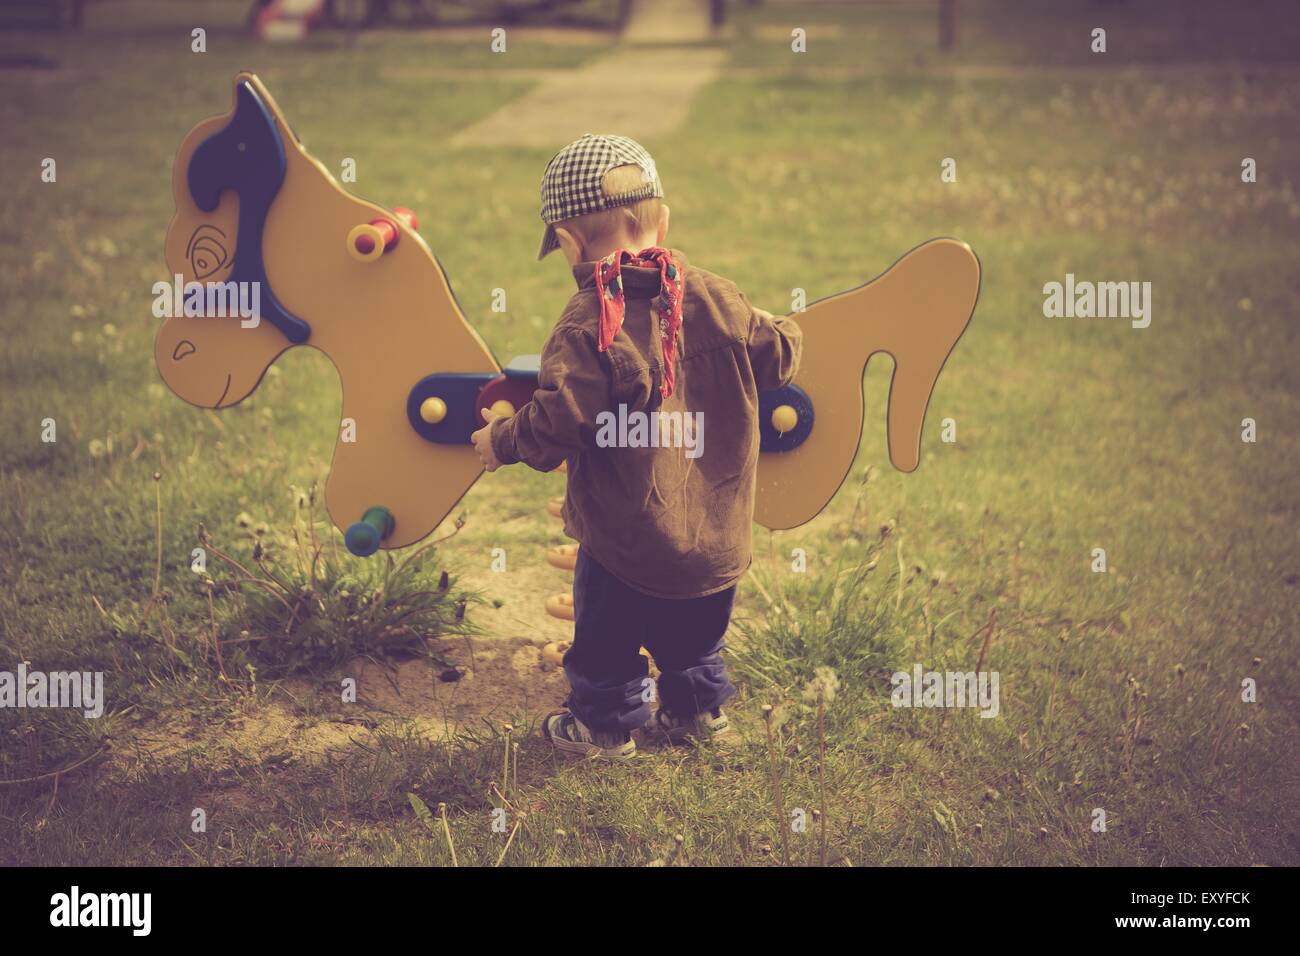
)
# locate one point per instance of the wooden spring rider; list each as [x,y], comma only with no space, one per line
[357,282]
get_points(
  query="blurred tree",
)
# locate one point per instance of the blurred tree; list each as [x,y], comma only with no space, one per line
[947,24]
[39,14]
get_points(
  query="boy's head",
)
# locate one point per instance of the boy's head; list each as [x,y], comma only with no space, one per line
[599,194]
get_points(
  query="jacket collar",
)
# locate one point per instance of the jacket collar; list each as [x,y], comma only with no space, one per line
[639,282]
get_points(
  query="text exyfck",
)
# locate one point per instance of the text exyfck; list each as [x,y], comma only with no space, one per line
[651,430]
[924,688]
[79,690]
[208,300]
[103,909]
[1086,300]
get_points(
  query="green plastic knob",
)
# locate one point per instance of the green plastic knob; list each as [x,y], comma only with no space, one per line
[364,537]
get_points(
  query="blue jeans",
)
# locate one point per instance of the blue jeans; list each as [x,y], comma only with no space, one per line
[609,686]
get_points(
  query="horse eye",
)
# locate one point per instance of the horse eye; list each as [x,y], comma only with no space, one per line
[207,255]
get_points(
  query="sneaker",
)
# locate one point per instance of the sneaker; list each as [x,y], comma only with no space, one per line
[571,736]
[679,729]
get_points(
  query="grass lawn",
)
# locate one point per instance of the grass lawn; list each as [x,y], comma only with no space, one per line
[1120,691]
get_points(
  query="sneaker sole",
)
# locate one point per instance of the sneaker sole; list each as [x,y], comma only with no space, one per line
[688,735]
[577,748]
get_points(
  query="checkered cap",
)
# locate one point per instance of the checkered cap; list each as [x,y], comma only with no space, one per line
[571,185]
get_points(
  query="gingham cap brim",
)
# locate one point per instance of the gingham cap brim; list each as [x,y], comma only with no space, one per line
[573,182]
[549,243]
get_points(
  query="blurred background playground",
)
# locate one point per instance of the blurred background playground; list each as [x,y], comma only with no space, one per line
[812,170]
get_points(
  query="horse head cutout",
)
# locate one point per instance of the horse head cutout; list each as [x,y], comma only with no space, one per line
[253,207]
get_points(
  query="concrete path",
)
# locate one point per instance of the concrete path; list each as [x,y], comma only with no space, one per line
[668,21]
[587,100]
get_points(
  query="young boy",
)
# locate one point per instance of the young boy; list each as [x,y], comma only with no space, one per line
[661,505]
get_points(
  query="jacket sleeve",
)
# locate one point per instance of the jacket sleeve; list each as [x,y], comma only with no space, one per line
[775,346]
[572,389]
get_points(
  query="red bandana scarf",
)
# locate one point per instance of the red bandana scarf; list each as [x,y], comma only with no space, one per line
[668,304]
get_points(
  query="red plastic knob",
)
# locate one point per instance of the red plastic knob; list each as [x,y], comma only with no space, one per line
[406,216]
[388,234]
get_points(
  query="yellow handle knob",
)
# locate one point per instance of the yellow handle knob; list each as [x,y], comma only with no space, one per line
[433,410]
[502,407]
[784,418]
[367,237]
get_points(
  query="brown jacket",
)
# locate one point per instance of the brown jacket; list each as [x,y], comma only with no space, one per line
[675,520]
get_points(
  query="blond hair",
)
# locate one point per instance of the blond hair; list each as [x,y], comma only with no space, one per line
[640,215]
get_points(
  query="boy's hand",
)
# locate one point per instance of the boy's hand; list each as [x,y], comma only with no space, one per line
[482,440]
